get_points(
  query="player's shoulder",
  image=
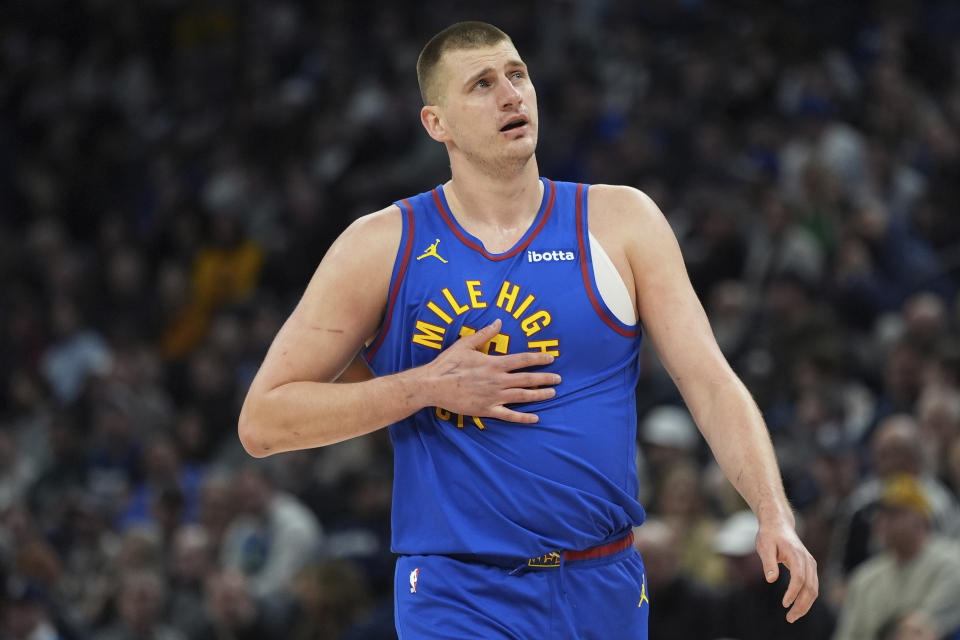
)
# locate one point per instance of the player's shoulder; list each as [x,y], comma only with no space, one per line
[623,207]
[378,226]
[373,234]
[620,200]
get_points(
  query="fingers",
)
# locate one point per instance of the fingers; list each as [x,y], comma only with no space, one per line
[525,360]
[768,556]
[530,380]
[793,589]
[803,603]
[479,338]
[513,396]
[509,415]
[804,585]
[494,380]
[517,396]
[808,588]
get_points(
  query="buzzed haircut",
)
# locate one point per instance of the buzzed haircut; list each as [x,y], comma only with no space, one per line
[462,35]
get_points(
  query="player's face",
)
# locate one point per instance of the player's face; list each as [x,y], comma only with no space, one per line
[488,106]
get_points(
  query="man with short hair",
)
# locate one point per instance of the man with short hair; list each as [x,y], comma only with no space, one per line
[896,446]
[501,313]
[914,583]
[273,535]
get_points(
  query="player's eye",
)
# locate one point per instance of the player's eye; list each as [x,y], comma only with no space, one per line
[482,84]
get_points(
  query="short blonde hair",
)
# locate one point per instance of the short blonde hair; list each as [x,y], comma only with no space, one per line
[462,35]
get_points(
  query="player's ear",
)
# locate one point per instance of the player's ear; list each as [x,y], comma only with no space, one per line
[432,121]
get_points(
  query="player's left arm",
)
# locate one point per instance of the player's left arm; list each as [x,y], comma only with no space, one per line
[725,412]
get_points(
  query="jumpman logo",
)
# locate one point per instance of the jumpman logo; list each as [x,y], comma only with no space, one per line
[643,591]
[432,251]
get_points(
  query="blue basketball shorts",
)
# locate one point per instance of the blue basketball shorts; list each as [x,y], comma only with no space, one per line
[444,598]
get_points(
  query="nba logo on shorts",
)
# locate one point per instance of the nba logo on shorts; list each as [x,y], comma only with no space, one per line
[414,576]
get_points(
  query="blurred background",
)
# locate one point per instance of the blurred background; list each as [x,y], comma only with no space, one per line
[172,171]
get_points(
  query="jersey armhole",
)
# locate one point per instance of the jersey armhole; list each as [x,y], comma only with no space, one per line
[396,278]
[613,290]
[586,268]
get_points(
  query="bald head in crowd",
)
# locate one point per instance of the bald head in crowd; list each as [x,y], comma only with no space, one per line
[896,446]
[925,318]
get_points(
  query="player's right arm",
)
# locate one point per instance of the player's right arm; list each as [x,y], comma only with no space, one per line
[293,402]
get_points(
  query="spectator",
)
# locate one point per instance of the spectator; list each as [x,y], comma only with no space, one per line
[78,353]
[191,562]
[64,475]
[896,448]
[915,582]
[87,544]
[225,271]
[163,475]
[680,505]
[141,600]
[24,615]
[938,412]
[217,507]
[17,472]
[232,611]
[30,414]
[113,452]
[925,320]
[26,553]
[273,535]
[782,245]
[330,597]
[903,367]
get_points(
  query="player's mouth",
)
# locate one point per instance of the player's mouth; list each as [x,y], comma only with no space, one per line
[515,123]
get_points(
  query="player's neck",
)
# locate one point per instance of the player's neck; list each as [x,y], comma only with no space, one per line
[480,200]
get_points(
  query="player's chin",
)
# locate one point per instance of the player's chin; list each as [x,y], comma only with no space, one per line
[525,144]
[518,157]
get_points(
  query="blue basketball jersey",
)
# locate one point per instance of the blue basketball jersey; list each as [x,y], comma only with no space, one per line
[486,487]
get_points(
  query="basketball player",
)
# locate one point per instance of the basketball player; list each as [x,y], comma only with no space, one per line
[501,313]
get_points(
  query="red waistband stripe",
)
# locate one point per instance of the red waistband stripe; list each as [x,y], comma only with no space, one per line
[552,559]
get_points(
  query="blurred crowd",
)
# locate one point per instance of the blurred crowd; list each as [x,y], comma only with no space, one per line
[172,171]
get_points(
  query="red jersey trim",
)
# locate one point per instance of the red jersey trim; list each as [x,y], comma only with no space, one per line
[585,270]
[395,289]
[448,218]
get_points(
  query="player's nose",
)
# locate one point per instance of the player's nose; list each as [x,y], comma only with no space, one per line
[509,96]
